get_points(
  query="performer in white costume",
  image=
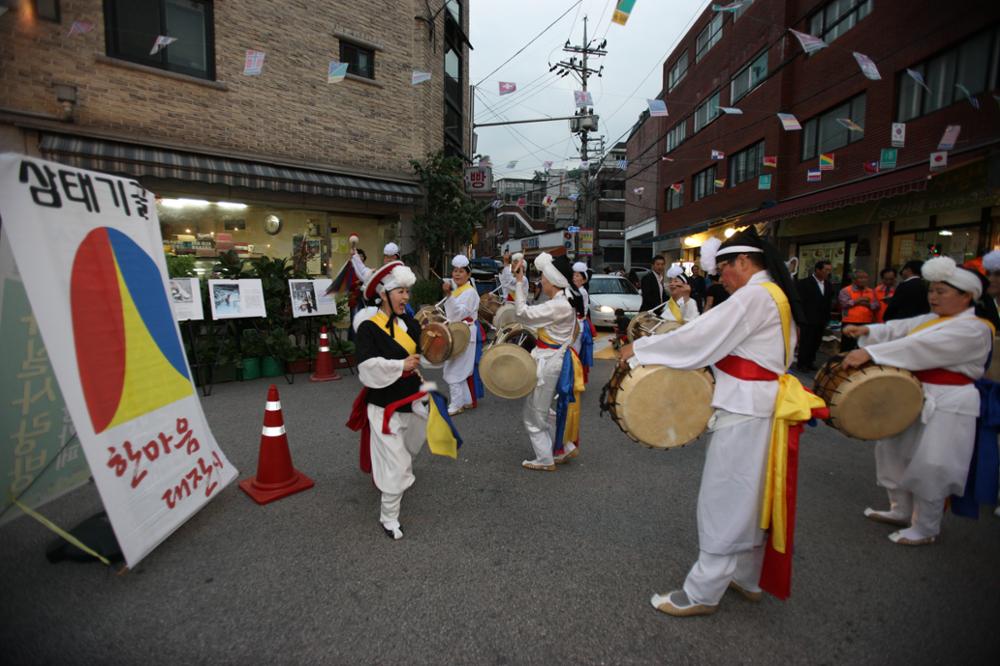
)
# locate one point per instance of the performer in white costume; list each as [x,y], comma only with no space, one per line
[680,306]
[507,280]
[583,344]
[554,321]
[744,339]
[388,360]
[947,350]
[462,305]
[389,253]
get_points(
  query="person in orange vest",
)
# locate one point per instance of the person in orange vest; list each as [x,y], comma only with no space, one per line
[858,305]
[884,291]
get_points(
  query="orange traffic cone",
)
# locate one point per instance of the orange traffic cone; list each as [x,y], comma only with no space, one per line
[324,360]
[276,478]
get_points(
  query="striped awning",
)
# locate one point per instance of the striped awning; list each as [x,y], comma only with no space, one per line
[138,161]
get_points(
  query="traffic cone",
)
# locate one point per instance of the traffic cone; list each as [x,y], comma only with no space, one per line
[324,360]
[276,478]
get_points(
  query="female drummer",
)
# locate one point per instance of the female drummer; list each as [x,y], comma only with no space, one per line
[947,350]
[555,321]
[680,307]
[462,305]
[583,345]
[388,358]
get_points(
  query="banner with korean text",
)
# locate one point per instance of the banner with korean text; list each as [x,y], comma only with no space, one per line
[89,250]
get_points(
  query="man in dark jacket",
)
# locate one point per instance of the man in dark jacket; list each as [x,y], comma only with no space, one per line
[653,290]
[816,293]
[910,298]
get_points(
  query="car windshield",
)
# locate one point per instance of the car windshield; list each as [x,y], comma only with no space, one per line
[613,285]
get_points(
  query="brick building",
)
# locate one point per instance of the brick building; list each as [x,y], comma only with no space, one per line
[749,61]
[262,161]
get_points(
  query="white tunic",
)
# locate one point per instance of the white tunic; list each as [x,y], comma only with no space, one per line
[362,271]
[689,310]
[507,281]
[586,301]
[931,457]
[456,309]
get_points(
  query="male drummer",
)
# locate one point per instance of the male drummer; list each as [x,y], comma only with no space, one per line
[748,345]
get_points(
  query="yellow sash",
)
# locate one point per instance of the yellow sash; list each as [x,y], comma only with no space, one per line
[793,405]
[941,320]
[381,319]
[675,310]
[462,289]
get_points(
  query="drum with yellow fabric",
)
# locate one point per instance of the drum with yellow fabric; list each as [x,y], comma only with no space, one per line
[870,402]
[506,367]
[657,406]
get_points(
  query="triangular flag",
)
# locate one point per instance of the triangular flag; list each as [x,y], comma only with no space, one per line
[867,66]
[657,108]
[678,186]
[507,87]
[80,28]
[918,77]
[789,122]
[419,77]
[770,161]
[731,110]
[336,71]
[162,41]
[253,63]
[939,160]
[809,43]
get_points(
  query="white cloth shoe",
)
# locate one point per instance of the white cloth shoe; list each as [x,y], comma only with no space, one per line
[394,533]
[888,517]
[678,604]
[912,537]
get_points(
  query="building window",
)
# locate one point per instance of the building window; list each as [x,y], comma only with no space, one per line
[360,61]
[837,17]
[825,132]
[47,10]
[708,37]
[455,9]
[749,78]
[703,184]
[675,136]
[674,198]
[973,64]
[745,165]
[454,107]
[706,112]
[677,72]
[132,26]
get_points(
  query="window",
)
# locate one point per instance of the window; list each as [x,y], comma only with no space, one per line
[706,112]
[677,72]
[455,9]
[132,26]
[708,37]
[674,198]
[360,61]
[838,17]
[703,184]
[745,165]
[972,64]
[675,136]
[454,97]
[825,133]
[47,10]
[749,78]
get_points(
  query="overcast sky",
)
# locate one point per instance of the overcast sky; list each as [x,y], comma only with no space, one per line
[632,72]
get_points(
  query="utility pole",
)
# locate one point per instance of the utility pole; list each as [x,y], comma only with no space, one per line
[585,121]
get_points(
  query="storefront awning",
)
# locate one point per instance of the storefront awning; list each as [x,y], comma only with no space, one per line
[882,186]
[138,161]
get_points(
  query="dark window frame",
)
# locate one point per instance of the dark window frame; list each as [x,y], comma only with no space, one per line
[454,108]
[669,195]
[705,103]
[671,81]
[113,47]
[825,30]
[740,169]
[682,126]
[352,66]
[703,183]
[714,37]
[733,97]
[55,17]
[810,128]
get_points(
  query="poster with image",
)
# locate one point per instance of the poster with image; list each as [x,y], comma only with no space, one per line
[236,299]
[309,298]
[185,297]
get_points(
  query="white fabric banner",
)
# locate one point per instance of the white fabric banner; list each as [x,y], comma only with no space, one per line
[89,250]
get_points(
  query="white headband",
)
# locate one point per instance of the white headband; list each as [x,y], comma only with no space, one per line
[543,264]
[579,267]
[944,269]
[460,261]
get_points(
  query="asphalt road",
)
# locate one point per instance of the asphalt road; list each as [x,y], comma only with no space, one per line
[499,565]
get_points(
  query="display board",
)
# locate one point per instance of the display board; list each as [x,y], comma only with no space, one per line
[309,298]
[236,299]
[185,297]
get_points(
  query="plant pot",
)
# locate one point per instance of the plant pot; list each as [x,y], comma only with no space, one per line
[271,366]
[251,368]
[298,366]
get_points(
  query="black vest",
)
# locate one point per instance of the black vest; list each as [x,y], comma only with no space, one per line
[373,342]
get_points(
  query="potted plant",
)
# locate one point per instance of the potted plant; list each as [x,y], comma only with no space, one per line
[253,346]
[343,353]
[278,350]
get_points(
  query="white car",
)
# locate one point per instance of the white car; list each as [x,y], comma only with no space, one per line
[609,293]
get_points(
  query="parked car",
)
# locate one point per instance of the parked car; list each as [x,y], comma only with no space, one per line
[607,294]
[485,265]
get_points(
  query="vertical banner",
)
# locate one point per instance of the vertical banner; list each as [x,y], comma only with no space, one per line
[89,250]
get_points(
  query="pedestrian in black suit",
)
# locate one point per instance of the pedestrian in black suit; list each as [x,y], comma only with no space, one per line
[910,298]
[653,291]
[816,293]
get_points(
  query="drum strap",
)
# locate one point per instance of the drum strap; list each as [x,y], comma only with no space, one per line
[943,377]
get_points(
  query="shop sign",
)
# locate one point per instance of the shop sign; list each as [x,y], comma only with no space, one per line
[479,179]
[585,241]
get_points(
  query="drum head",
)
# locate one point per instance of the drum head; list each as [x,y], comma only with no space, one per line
[508,371]
[435,342]
[489,303]
[460,336]
[517,334]
[872,402]
[664,408]
[505,315]
[428,313]
[641,325]
[666,326]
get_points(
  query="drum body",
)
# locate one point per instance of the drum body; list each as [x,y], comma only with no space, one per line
[505,315]
[870,402]
[642,324]
[660,407]
[436,342]
[489,303]
[517,334]
[429,313]
[461,334]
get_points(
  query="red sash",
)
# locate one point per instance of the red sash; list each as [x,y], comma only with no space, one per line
[358,421]
[942,377]
[743,368]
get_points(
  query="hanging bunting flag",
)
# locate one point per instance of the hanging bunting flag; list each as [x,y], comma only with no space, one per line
[826,161]
[336,71]
[789,122]
[622,11]
[638,190]
[732,7]
[919,78]
[584,164]
[522,202]
[720,183]
[887,158]
[511,164]
[507,87]
[80,28]
[419,77]
[813,175]
[667,159]
[939,159]
[867,66]
[678,187]
[574,196]
[949,137]
[582,99]
[898,135]
[973,100]
[547,201]
[731,110]
[809,43]
[871,167]
[657,108]
[496,203]
[162,42]
[770,161]
[253,64]
[764,181]
[621,164]
[718,155]
[851,125]
[546,165]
